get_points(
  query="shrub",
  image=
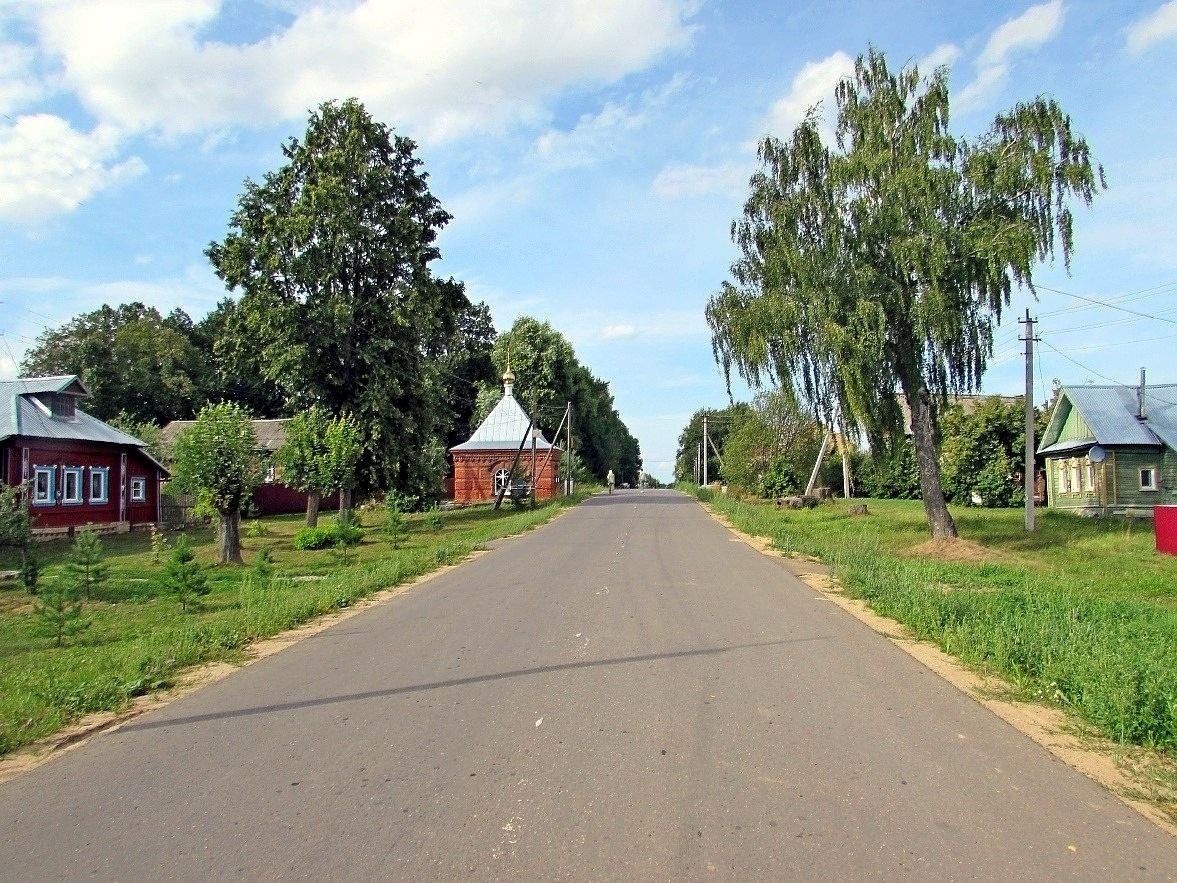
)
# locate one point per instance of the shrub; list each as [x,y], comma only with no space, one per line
[183,576]
[326,537]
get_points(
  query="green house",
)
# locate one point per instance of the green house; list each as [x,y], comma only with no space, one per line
[1112,450]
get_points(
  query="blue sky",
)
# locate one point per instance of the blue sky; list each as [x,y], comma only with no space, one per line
[593,154]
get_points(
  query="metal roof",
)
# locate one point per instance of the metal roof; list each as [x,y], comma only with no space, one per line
[1111,414]
[269,435]
[23,413]
[504,428]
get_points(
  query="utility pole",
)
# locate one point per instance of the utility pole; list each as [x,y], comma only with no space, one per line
[704,450]
[568,470]
[1028,466]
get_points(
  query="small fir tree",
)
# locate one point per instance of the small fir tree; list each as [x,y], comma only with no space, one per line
[183,575]
[30,571]
[60,610]
[394,523]
[86,569]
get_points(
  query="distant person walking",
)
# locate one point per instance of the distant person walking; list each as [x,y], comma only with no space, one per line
[609,479]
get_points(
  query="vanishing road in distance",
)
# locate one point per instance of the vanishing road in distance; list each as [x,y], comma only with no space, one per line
[627,693]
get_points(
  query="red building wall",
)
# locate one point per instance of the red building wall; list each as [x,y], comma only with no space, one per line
[59,454]
[473,480]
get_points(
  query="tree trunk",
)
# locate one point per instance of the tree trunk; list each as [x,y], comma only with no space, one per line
[924,437]
[230,538]
[344,502]
[313,500]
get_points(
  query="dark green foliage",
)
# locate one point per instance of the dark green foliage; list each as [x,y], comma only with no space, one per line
[891,473]
[133,360]
[85,570]
[332,254]
[781,480]
[59,609]
[881,266]
[982,453]
[16,531]
[183,576]
[30,570]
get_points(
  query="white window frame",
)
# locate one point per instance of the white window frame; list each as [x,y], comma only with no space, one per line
[103,474]
[78,474]
[138,489]
[1076,477]
[1088,476]
[1152,484]
[50,474]
[1064,477]
[502,479]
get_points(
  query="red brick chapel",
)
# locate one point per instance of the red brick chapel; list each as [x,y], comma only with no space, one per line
[482,465]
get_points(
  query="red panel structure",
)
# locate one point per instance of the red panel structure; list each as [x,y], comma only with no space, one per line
[1165,524]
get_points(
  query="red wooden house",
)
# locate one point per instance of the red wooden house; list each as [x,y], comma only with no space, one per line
[77,470]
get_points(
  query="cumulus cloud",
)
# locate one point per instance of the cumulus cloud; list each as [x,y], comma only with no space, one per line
[1161,25]
[48,168]
[814,84]
[1034,27]
[440,69]
[679,180]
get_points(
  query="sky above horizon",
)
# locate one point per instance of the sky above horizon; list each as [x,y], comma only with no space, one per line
[593,154]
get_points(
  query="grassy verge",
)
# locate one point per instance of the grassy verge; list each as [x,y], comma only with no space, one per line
[138,639]
[1081,614]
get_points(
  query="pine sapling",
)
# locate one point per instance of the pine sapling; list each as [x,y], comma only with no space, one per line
[183,575]
[86,569]
[60,611]
[30,570]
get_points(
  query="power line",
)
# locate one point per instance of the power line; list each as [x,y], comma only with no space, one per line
[1111,306]
[1102,376]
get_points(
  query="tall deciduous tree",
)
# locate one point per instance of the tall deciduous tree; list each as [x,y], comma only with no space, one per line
[217,460]
[548,375]
[131,359]
[882,266]
[332,254]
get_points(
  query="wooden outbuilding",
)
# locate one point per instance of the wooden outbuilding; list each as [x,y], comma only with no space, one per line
[482,465]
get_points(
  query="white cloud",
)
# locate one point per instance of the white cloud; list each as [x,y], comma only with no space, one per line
[600,135]
[18,86]
[47,168]
[439,69]
[944,54]
[618,332]
[1034,27]
[814,84]
[1159,26]
[685,180]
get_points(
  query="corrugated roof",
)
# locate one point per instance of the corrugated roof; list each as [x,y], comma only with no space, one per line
[22,413]
[1111,413]
[269,435]
[504,427]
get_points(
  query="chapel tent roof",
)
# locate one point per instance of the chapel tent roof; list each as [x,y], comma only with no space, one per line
[504,427]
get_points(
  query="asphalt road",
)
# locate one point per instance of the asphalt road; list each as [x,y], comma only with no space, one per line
[627,693]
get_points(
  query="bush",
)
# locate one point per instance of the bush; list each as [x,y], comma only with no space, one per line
[781,480]
[327,537]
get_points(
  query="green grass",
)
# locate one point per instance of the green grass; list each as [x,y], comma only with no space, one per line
[138,639]
[1081,614]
